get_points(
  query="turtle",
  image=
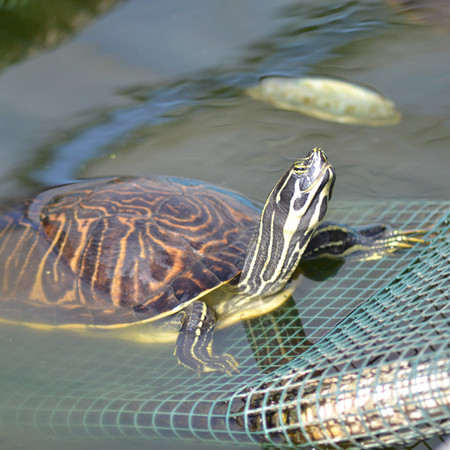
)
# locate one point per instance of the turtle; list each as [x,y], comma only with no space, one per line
[156,259]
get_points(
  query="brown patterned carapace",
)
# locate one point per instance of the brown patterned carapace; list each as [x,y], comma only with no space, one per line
[120,250]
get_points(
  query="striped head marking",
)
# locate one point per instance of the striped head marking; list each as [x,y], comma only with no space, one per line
[293,211]
[304,191]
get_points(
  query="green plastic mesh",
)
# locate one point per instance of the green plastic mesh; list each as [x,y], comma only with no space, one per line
[362,361]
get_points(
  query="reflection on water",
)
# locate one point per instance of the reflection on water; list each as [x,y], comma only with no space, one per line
[31,26]
[205,127]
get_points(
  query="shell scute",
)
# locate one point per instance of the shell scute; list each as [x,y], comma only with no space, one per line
[196,280]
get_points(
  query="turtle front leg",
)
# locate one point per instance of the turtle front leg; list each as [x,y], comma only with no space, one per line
[195,341]
[365,242]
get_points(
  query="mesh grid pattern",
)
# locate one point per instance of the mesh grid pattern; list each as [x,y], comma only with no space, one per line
[373,369]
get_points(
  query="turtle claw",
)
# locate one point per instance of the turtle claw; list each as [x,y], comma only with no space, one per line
[206,362]
[408,234]
[407,238]
[391,240]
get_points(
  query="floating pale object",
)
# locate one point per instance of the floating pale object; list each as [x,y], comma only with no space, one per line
[327,99]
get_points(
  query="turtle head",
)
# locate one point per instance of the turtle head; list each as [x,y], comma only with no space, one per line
[294,209]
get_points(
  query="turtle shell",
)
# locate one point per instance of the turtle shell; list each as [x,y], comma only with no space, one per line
[120,250]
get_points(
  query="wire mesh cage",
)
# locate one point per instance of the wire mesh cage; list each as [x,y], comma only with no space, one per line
[359,357]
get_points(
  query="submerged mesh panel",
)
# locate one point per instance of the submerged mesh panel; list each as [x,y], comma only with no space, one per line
[359,359]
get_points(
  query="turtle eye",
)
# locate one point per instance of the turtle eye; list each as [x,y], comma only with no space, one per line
[300,168]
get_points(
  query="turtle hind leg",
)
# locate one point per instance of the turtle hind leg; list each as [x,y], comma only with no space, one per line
[195,341]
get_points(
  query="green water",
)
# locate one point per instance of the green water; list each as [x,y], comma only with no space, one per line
[157,88]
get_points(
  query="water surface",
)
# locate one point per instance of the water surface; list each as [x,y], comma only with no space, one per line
[157,88]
